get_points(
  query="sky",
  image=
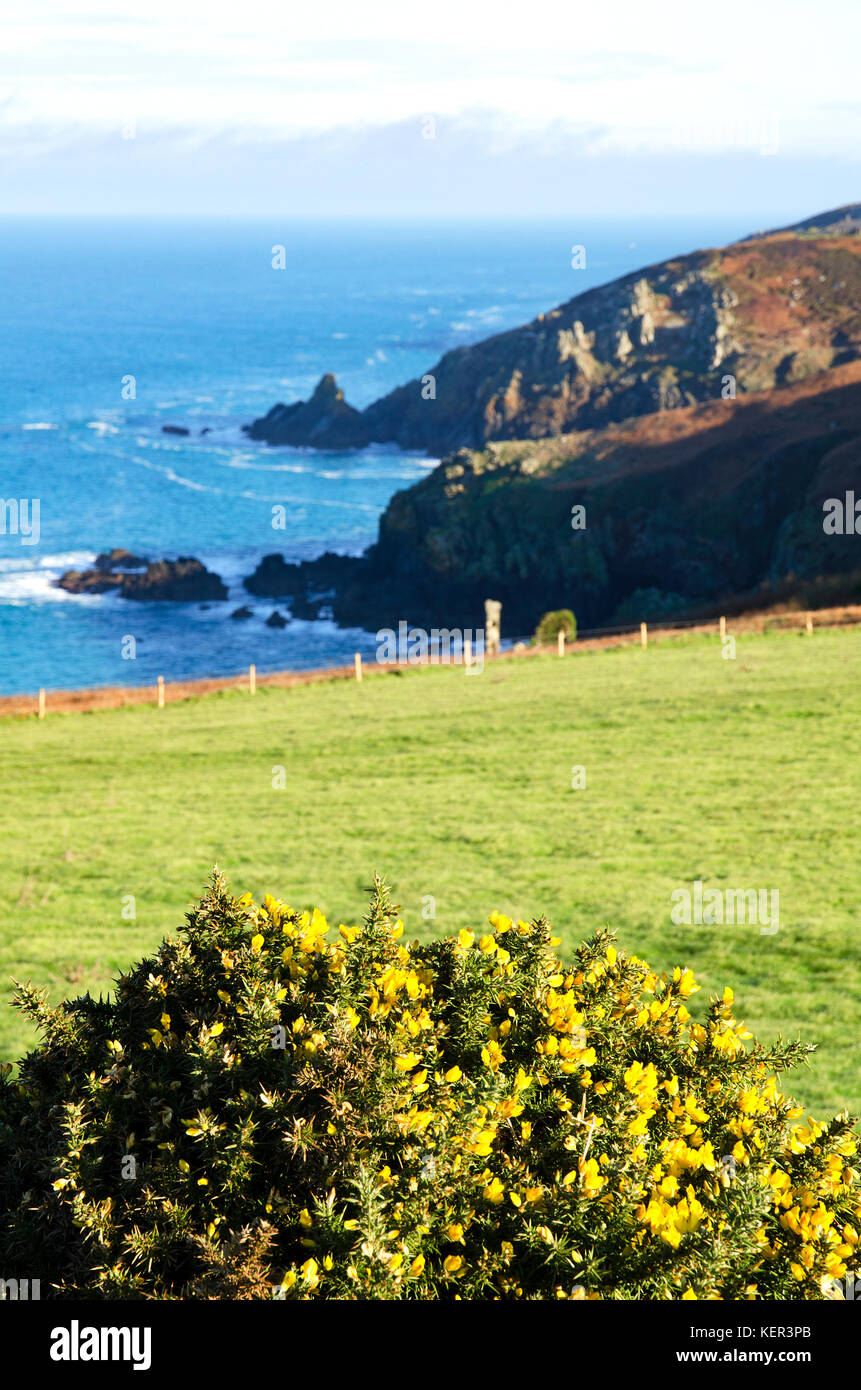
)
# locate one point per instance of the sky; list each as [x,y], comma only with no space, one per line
[459,107]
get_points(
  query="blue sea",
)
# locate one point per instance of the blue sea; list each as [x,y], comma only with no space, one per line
[212,336]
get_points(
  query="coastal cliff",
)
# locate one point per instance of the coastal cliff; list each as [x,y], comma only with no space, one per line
[679,509]
[763,313]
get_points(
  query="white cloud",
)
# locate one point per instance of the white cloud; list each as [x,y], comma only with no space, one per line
[639,72]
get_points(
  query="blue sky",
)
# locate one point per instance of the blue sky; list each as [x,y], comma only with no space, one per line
[454,108]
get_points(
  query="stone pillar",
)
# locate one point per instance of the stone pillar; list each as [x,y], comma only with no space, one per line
[492,613]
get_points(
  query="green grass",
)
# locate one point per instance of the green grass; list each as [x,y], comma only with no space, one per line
[745,774]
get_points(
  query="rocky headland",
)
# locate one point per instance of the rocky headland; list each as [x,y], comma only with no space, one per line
[679,509]
[768,312]
[648,449]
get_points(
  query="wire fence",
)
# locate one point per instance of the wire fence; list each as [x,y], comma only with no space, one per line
[248,679]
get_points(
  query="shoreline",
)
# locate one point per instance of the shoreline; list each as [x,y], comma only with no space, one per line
[92,698]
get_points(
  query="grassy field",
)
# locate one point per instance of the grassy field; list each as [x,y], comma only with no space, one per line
[744,774]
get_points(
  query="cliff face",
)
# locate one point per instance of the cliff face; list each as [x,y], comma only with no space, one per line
[680,509]
[770,311]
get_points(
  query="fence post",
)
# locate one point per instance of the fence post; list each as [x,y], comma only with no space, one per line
[467,652]
[161,692]
[723,628]
[560,641]
[809,623]
[41,703]
[644,636]
[357,660]
[252,679]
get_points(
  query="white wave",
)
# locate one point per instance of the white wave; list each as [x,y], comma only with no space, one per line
[171,476]
[252,465]
[28,580]
[102,427]
[313,502]
[69,559]
[40,425]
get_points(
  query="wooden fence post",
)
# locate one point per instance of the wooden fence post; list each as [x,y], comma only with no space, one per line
[467,652]
[252,679]
[809,623]
[722,628]
[41,703]
[644,636]
[358,664]
[161,692]
[560,642]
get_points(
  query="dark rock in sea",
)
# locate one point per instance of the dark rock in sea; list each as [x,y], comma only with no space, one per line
[276,619]
[240,614]
[179,581]
[325,421]
[276,577]
[207,429]
[174,429]
[184,580]
[119,560]
[88,581]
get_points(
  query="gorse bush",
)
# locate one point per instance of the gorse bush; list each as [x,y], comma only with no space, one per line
[547,630]
[264,1112]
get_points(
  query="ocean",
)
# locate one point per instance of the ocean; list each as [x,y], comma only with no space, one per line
[116,327]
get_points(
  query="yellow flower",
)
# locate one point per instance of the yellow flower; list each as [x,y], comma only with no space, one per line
[216,1029]
[494,1192]
[407,1061]
[590,1177]
[455,1233]
[453,1074]
[417,1266]
[257,944]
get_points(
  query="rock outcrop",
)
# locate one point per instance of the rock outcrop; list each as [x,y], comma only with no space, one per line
[325,421]
[184,580]
[769,311]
